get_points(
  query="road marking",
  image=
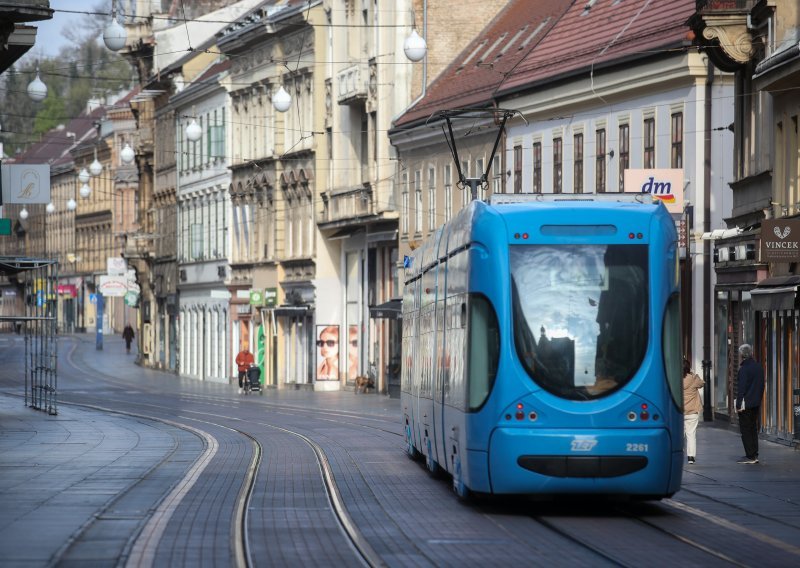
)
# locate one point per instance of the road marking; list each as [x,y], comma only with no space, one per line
[144,548]
[734,527]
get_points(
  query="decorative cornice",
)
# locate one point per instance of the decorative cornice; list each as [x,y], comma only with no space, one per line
[730,30]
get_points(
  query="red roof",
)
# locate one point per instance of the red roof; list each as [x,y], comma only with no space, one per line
[55,145]
[477,71]
[214,70]
[608,30]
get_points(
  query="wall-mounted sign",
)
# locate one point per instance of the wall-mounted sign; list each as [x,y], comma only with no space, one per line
[69,290]
[132,299]
[664,185]
[780,240]
[270,297]
[113,286]
[26,183]
[256,297]
[116,266]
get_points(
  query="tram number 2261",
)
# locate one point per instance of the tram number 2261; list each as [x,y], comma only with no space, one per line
[635,447]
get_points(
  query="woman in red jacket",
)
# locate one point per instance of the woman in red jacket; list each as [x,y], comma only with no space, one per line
[243,361]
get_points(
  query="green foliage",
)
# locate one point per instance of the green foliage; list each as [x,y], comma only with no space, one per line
[85,70]
[50,115]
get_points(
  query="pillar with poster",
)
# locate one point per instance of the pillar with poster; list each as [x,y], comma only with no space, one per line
[327,352]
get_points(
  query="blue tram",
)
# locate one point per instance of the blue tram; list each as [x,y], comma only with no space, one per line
[541,348]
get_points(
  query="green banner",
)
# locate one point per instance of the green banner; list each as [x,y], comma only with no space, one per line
[261,352]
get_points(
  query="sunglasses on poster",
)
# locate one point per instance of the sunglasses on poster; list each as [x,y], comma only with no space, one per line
[326,342]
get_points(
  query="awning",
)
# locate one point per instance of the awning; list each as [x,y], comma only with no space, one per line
[288,311]
[344,233]
[777,293]
[393,309]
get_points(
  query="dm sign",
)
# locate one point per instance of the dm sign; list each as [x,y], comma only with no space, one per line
[665,185]
[780,240]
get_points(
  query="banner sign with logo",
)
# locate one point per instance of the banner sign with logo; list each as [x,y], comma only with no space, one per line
[26,183]
[113,286]
[780,240]
[270,297]
[665,185]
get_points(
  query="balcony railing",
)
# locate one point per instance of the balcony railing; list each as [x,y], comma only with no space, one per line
[352,84]
[339,205]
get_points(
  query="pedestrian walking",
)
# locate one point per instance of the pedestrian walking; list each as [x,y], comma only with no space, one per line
[750,385]
[692,405]
[243,361]
[128,335]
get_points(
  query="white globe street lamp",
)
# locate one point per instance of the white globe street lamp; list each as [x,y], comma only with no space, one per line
[85,191]
[96,168]
[114,36]
[23,214]
[281,100]
[71,205]
[50,208]
[37,90]
[127,154]
[415,47]
[83,176]
[193,131]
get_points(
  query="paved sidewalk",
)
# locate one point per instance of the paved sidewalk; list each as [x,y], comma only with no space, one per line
[79,471]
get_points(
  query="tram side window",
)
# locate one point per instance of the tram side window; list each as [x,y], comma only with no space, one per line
[673,357]
[484,350]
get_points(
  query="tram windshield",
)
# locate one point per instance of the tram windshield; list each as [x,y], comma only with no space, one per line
[580,315]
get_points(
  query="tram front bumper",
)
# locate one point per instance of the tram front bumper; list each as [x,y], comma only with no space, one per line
[600,461]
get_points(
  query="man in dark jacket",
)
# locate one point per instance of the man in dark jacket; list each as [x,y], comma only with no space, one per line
[748,401]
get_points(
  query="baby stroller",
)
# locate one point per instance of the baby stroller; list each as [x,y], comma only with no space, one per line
[252,381]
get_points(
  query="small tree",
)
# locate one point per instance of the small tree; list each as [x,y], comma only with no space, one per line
[51,114]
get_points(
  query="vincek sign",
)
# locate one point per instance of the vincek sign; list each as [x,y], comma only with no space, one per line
[780,240]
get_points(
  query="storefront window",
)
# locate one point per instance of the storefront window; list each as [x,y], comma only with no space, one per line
[721,340]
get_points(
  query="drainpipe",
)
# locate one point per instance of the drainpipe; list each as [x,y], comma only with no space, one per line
[708,301]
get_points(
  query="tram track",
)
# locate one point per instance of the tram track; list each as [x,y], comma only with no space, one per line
[145,544]
[613,552]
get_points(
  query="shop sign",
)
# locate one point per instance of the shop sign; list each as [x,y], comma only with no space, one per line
[256,297]
[270,297]
[113,286]
[664,185]
[25,183]
[131,281]
[132,299]
[780,240]
[67,290]
[116,266]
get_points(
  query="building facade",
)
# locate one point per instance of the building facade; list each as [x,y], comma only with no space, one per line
[204,214]
[756,297]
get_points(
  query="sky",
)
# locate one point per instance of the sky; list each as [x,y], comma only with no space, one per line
[49,39]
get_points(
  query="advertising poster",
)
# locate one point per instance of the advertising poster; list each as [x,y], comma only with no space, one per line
[352,353]
[327,352]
